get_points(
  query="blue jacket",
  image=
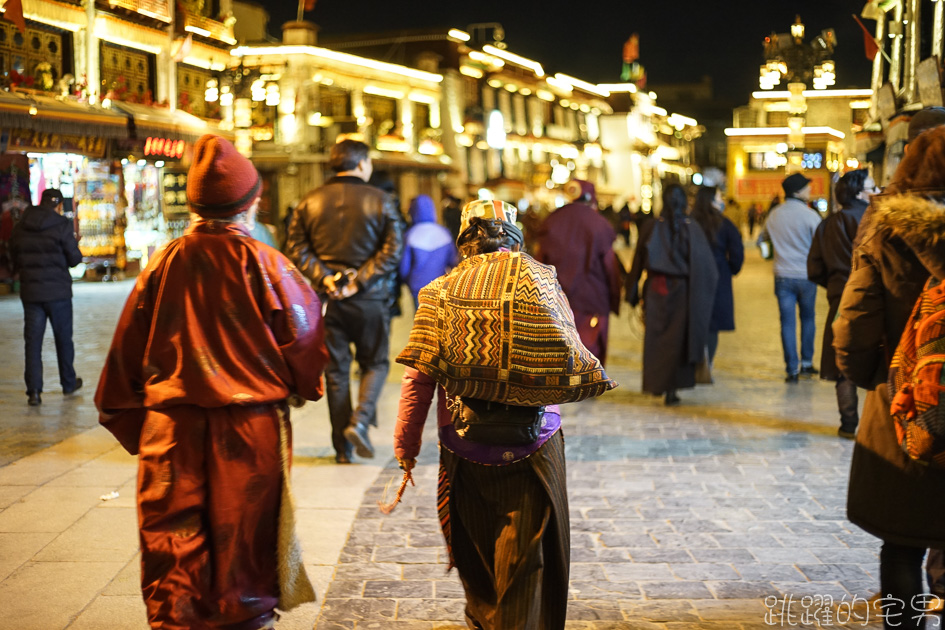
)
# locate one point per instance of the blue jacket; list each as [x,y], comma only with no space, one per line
[429,251]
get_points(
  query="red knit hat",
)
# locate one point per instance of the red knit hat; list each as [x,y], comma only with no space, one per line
[220,182]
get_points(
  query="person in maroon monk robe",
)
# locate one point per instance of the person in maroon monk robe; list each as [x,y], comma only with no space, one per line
[578,241]
[219,331]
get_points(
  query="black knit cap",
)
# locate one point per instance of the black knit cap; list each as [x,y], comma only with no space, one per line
[925,119]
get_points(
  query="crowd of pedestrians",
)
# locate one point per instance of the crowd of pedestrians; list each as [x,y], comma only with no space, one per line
[204,401]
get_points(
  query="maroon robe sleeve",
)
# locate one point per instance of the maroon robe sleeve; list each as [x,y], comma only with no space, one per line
[120,394]
[416,395]
[297,325]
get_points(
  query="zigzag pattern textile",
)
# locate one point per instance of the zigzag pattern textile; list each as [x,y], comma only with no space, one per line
[499,327]
[917,379]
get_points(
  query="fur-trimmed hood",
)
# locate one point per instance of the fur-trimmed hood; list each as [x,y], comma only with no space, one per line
[919,220]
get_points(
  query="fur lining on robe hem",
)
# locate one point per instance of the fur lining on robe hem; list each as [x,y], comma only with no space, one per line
[294,585]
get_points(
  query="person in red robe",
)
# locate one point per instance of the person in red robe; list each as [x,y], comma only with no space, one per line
[579,242]
[219,331]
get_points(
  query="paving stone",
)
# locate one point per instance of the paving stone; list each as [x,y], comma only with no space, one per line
[431,609]
[832,572]
[704,571]
[398,589]
[633,572]
[593,610]
[740,589]
[728,556]
[675,590]
[344,609]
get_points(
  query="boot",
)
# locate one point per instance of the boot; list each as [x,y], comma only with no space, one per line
[357,435]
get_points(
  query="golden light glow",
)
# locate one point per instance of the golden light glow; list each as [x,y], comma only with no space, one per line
[584,85]
[325,53]
[781,131]
[534,66]
[617,87]
[469,71]
[379,91]
[455,33]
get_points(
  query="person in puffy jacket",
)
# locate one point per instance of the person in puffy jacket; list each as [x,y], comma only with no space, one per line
[898,244]
[429,251]
[43,247]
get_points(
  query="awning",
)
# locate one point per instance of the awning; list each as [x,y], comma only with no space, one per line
[46,114]
[174,125]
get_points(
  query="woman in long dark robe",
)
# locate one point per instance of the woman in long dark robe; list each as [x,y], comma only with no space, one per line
[678,295]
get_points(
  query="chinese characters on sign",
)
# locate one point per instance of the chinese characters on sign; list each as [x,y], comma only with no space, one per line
[823,610]
[26,140]
[163,147]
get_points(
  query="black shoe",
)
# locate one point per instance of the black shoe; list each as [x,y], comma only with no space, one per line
[78,386]
[671,399]
[357,436]
[809,370]
[34,399]
[791,378]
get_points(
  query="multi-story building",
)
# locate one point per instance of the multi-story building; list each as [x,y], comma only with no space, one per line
[132,74]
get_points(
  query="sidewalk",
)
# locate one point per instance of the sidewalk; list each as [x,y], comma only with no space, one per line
[685,517]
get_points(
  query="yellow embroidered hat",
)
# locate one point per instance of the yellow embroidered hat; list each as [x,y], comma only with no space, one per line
[487,209]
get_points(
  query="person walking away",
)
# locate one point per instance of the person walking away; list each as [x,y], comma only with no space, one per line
[828,264]
[579,243]
[677,295]
[503,507]
[429,251]
[897,247]
[790,227]
[345,238]
[42,248]
[729,252]
[218,332]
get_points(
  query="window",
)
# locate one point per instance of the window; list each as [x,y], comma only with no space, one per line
[27,55]
[334,102]
[127,73]
[777,119]
[191,92]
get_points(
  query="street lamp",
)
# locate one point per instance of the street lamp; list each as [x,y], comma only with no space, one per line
[793,61]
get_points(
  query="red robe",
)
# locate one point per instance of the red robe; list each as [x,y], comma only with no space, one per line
[217,332]
[579,242]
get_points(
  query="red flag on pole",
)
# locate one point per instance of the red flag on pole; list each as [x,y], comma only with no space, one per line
[13,12]
[309,5]
[869,42]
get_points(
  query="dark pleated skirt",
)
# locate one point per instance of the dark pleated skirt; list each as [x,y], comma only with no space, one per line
[508,533]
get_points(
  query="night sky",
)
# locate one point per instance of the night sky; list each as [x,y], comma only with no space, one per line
[679,40]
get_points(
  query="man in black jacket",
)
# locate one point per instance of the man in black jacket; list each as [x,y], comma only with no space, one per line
[43,248]
[345,237]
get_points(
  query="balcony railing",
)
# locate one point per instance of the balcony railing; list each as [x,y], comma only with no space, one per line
[157,9]
[209,27]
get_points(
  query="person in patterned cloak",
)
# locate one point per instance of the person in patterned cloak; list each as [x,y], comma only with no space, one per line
[218,332]
[503,509]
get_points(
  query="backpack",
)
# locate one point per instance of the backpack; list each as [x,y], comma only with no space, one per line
[917,380]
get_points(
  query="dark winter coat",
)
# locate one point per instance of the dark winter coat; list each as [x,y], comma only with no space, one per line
[900,240]
[828,264]
[729,253]
[43,248]
[677,301]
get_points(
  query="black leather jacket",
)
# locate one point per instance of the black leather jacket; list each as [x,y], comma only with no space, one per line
[347,223]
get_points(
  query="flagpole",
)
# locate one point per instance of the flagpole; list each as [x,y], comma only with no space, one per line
[301,13]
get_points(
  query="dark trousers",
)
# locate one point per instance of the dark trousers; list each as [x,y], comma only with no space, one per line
[900,579]
[59,314]
[847,404]
[366,324]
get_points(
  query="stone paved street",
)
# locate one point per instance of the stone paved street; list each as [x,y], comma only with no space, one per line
[686,517]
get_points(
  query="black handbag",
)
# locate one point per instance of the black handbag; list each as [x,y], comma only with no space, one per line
[496,424]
